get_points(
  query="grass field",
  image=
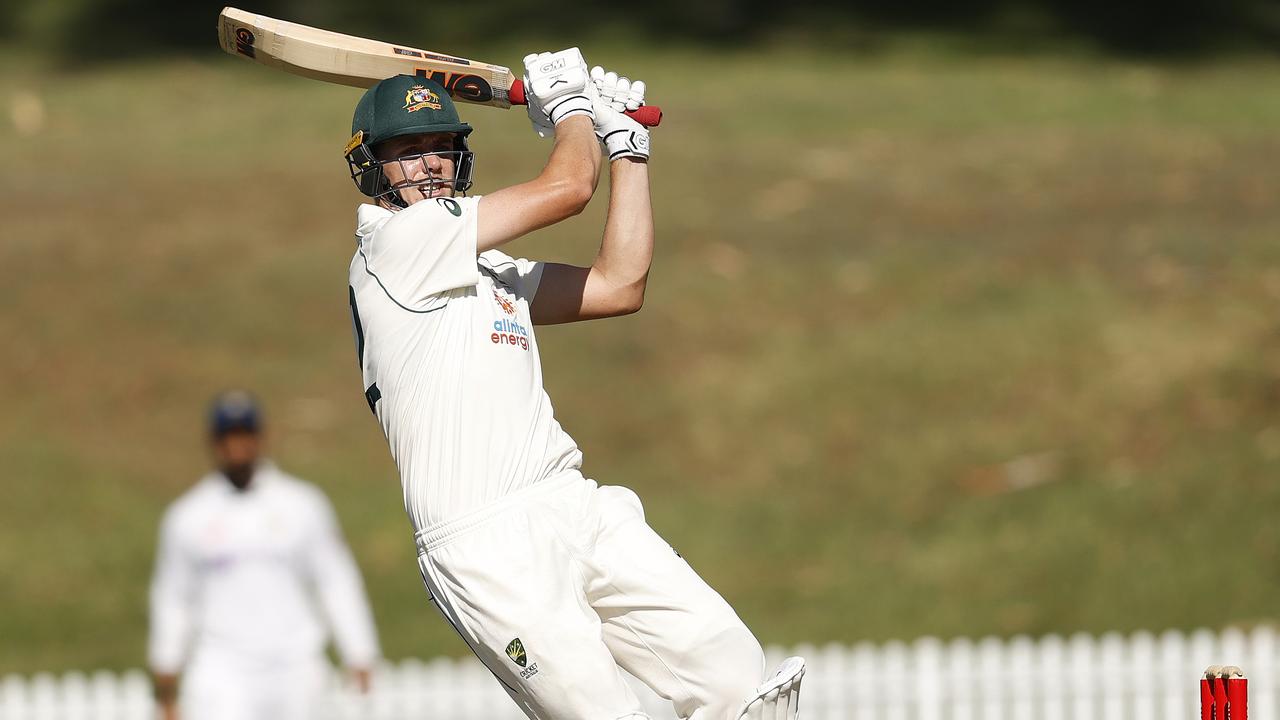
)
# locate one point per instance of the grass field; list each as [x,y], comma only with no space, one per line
[931,346]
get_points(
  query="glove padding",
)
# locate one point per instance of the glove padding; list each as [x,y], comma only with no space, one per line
[619,93]
[557,86]
[622,136]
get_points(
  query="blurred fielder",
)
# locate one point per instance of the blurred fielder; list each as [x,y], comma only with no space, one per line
[251,569]
[554,582]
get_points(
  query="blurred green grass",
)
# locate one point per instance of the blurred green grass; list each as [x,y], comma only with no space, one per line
[931,345]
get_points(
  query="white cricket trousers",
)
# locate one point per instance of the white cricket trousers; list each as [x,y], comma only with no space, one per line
[225,686]
[559,585]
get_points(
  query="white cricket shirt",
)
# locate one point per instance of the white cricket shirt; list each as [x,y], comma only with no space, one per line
[449,359]
[257,574]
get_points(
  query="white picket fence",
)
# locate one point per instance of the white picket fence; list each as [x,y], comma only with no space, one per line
[1112,677]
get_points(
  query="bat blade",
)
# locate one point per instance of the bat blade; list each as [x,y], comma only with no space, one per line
[355,61]
[361,62]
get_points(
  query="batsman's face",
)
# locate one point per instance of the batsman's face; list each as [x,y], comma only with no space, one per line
[236,453]
[419,166]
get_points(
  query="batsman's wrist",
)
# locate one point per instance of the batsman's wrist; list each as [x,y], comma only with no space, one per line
[165,689]
[575,124]
[624,143]
[573,106]
[561,118]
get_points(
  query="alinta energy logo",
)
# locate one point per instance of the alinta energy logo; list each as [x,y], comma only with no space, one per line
[509,332]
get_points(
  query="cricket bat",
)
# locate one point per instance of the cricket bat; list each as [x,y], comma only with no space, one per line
[360,62]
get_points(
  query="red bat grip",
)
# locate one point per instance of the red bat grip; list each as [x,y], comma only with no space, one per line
[647,115]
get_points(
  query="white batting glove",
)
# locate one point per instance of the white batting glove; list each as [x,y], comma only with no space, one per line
[619,93]
[557,86]
[622,136]
[542,124]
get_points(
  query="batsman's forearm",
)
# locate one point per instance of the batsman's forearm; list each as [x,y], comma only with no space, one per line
[576,153]
[560,191]
[626,251]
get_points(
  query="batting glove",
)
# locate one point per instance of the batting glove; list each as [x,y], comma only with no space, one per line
[622,136]
[619,93]
[538,118]
[557,86]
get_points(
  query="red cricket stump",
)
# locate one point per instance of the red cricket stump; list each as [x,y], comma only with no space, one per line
[1224,698]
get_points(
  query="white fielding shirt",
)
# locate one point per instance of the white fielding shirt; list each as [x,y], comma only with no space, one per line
[256,575]
[449,360]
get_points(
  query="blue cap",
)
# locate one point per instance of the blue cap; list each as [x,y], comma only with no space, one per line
[234,410]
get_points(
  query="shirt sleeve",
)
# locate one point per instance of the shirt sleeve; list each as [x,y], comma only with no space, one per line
[172,600]
[341,591]
[425,249]
[519,274]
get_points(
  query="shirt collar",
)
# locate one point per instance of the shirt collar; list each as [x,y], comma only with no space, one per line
[368,218]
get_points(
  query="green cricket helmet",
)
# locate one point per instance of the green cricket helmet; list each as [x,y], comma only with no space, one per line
[395,107]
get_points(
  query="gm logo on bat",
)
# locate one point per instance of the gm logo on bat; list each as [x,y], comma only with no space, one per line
[460,85]
[244,41]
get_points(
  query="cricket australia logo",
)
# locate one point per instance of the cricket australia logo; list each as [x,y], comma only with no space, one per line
[515,651]
[419,97]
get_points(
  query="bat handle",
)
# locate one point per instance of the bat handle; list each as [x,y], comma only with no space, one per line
[647,115]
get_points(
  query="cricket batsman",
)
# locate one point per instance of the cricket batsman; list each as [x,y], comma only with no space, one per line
[557,584]
[251,575]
